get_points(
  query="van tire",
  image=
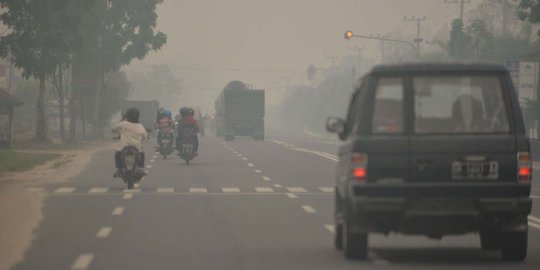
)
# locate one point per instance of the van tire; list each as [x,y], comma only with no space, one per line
[514,246]
[355,245]
[338,237]
[490,238]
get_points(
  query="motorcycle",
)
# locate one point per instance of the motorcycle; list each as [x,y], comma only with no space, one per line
[187,147]
[187,152]
[165,144]
[131,172]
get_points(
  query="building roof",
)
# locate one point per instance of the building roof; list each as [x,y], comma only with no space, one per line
[438,67]
[6,99]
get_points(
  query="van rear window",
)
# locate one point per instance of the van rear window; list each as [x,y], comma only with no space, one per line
[459,104]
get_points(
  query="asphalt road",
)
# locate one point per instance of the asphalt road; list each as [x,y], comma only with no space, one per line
[240,205]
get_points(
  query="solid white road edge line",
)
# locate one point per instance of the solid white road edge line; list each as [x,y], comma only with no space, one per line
[534,225]
[83,261]
[535,219]
[104,232]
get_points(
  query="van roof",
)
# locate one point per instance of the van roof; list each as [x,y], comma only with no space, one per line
[436,67]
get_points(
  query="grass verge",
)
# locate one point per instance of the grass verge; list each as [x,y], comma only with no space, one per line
[13,161]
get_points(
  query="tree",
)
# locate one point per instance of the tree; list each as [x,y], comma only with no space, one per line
[115,32]
[40,40]
[459,43]
[158,84]
[481,40]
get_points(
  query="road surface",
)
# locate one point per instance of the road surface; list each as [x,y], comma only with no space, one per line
[240,205]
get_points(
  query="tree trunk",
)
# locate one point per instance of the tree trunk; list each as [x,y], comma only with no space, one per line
[96,117]
[41,128]
[61,103]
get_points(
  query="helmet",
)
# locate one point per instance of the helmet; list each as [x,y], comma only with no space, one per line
[184,111]
[167,113]
[132,115]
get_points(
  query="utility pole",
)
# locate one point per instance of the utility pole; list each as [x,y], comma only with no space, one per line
[418,21]
[462,6]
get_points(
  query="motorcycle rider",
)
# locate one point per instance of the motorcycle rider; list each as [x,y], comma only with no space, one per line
[187,121]
[165,125]
[131,133]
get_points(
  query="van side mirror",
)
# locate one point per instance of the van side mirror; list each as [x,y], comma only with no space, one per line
[336,125]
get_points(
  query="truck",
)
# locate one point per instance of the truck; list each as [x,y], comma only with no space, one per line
[240,112]
[148,111]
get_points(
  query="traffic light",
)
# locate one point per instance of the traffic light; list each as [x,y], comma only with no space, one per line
[348,35]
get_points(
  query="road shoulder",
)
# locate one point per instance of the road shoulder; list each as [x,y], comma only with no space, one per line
[21,208]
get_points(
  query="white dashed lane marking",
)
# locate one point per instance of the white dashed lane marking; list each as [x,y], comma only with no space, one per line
[266,178]
[264,189]
[165,190]
[245,158]
[308,209]
[118,211]
[278,186]
[131,190]
[64,190]
[104,232]
[251,165]
[198,190]
[292,196]
[296,189]
[148,166]
[327,189]
[128,196]
[231,190]
[82,262]
[258,171]
[98,190]
[330,227]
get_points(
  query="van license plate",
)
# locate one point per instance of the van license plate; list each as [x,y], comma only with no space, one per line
[475,170]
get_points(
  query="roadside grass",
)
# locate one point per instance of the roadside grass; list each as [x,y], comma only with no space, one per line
[15,161]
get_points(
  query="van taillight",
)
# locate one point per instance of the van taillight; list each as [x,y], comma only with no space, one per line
[359,166]
[524,162]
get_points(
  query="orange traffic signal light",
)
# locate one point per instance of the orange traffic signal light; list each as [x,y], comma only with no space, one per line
[348,35]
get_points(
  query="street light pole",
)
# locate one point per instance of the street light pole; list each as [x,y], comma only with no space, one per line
[349,35]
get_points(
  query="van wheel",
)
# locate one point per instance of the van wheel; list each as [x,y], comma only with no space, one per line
[514,246]
[355,245]
[338,237]
[490,238]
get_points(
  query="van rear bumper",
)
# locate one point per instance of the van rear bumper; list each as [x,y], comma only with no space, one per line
[447,209]
[441,206]
[455,190]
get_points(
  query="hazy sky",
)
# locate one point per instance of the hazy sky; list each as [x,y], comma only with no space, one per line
[285,35]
